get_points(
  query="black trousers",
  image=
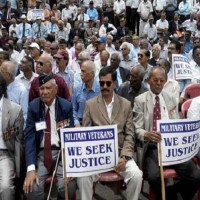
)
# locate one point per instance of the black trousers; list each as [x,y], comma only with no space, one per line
[128,17]
[135,20]
[188,172]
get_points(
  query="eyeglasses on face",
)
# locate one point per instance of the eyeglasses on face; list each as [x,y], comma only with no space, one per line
[140,55]
[108,83]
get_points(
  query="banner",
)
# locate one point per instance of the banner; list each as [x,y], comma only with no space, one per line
[37,13]
[89,150]
[180,140]
[181,67]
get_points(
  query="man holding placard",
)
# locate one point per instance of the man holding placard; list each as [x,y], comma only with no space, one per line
[149,107]
[106,109]
[46,115]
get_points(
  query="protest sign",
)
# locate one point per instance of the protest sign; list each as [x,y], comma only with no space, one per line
[89,150]
[37,13]
[181,67]
[180,140]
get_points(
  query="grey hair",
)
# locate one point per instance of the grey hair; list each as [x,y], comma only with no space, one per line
[11,67]
[90,65]
[85,55]
[140,69]
[127,44]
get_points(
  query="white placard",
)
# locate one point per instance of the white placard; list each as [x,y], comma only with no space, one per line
[181,67]
[180,140]
[89,150]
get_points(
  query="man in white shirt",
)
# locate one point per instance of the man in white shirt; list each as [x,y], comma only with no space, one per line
[158,7]
[13,28]
[162,24]
[119,9]
[107,28]
[26,75]
[190,24]
[150,30]
[145,9]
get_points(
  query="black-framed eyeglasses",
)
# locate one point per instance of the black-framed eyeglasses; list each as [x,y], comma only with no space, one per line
[108,83]
[140,55]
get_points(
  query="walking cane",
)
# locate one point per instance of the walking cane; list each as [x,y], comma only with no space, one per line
[54,173]
[161,173]
[65,177]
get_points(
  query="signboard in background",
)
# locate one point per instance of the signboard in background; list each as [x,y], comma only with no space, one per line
[89,150]
[180,140]
[37,13]
[181,67]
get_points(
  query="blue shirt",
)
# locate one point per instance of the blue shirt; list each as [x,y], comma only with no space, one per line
[92,13]
[52,27]
[68,76]
[39,32]
[28,31]
[17,93]
[79,98]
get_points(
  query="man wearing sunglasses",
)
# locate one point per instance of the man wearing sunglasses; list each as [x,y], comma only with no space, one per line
[113,109]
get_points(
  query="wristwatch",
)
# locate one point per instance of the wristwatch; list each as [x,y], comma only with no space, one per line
[126,158]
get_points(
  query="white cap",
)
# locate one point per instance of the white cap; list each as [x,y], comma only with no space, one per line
[35,45]
[38,17]
[23,17]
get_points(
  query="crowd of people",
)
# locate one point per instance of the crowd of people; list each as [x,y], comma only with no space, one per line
[66,63]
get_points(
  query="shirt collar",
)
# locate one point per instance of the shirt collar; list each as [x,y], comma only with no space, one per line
[52,106]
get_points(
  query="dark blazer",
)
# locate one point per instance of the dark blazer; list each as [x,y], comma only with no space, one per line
[120,32]
[36,113]
[125,73]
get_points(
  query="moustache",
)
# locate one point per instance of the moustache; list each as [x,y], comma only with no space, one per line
[106,90]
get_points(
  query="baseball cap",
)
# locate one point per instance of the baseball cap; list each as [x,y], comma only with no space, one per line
[101,40]
[34,45]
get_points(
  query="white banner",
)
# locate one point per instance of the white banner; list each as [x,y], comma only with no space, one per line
[89,150]
[180,140]
[37,13]
[181,67]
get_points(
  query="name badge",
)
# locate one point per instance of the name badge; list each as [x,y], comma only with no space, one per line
[40,125]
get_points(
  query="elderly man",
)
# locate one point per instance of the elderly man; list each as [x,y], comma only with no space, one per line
[107,28]
[44,64]
[16,91]
[42,142]
[134,87]
[11,143]
[39,29]
[122,73]
[126,62]
[149,107]
[155,54]
[143,58]
[24,31]
[62,33]
[109,106]
[85,91]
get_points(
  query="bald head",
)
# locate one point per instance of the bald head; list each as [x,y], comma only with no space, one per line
[8,70]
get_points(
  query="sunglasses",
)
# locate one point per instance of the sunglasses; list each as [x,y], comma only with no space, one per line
[140,55]
[40,63]
[108,83]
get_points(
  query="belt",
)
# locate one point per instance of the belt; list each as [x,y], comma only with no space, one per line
[3,150]
[52,148]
